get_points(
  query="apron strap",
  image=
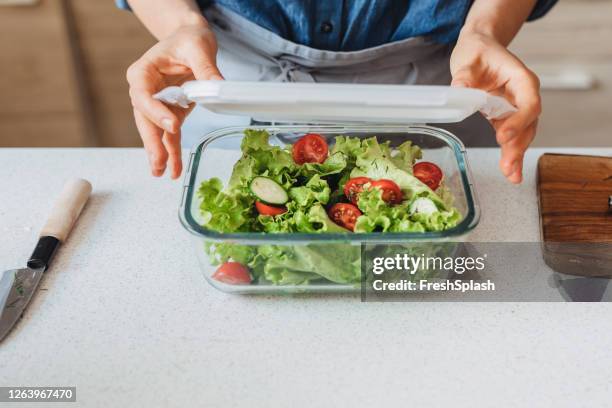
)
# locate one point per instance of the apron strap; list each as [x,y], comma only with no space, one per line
[292,72]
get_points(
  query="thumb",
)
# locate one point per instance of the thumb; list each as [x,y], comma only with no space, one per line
[204,67]
[462,79]
[206,72]
[458,83]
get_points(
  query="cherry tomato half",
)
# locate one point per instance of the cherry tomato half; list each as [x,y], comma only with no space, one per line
[354,186]
[345,215]
[311,148]
[233,273]
[428,173]
[391,193]
[265,209]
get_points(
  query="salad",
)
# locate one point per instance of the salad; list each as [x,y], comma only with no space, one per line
[353,186]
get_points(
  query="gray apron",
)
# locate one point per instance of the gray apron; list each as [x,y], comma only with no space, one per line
[250,52]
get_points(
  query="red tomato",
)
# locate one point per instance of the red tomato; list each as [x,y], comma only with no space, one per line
[311,148]
[391,192]
[354,186]
[344,215]
[298,152]
[233,273]
[265,209]
[428,173]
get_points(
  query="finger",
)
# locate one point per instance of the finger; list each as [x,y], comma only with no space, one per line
[152,140]
[525,92]
[172,144]
[142,80]
[517,176]
[513,152]
[154,110]
[201,58]
[463,78]
[204,70]
[511,162]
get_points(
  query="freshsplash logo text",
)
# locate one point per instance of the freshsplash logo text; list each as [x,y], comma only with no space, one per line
[422,274]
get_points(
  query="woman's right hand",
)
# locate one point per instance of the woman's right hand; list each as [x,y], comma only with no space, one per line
[189,53]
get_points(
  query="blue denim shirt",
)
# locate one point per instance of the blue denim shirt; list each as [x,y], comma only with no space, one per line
[349,25]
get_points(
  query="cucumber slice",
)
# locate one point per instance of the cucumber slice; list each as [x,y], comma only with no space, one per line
[268,191]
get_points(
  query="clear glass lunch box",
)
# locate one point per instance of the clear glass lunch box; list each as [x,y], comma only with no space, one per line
[216,154]
[311,255]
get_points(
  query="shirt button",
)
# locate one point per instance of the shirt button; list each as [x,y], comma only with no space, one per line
[327,27]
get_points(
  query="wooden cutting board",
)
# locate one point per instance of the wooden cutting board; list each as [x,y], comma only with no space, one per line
[575,215]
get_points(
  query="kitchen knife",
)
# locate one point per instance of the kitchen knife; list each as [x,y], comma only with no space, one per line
[17,286]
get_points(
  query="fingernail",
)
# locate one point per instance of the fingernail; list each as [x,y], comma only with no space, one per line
[516,177]
[168,125]
[158,172]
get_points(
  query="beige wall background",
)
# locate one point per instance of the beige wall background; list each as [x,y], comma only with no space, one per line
[571,51]
[63,68]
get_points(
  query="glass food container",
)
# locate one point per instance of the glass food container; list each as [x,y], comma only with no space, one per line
[323,262]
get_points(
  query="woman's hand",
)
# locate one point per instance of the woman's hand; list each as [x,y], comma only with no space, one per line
[189,53]
[479,61]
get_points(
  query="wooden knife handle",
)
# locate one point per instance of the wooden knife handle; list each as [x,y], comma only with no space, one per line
[67,209]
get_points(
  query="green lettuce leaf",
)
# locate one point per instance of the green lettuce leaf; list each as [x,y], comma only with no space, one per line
[302,201]
[406,155]
[438,221]
[315,220]
[293,265]
[316,190]
[259,158]
[349,146]
[379,216]
[375,162]
[320,221]
[279,223]
[219,253]
[339,263]
[225,212]
[334,164]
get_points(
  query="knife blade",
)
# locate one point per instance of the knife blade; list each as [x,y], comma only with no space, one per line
[17,286]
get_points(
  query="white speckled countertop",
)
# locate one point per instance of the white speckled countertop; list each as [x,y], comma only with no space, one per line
[125,315]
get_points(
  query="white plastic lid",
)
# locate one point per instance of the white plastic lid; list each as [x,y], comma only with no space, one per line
[339,103]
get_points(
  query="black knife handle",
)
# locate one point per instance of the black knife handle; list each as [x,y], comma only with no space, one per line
[43,253]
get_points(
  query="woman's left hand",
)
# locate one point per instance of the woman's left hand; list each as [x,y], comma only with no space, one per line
[479,61]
